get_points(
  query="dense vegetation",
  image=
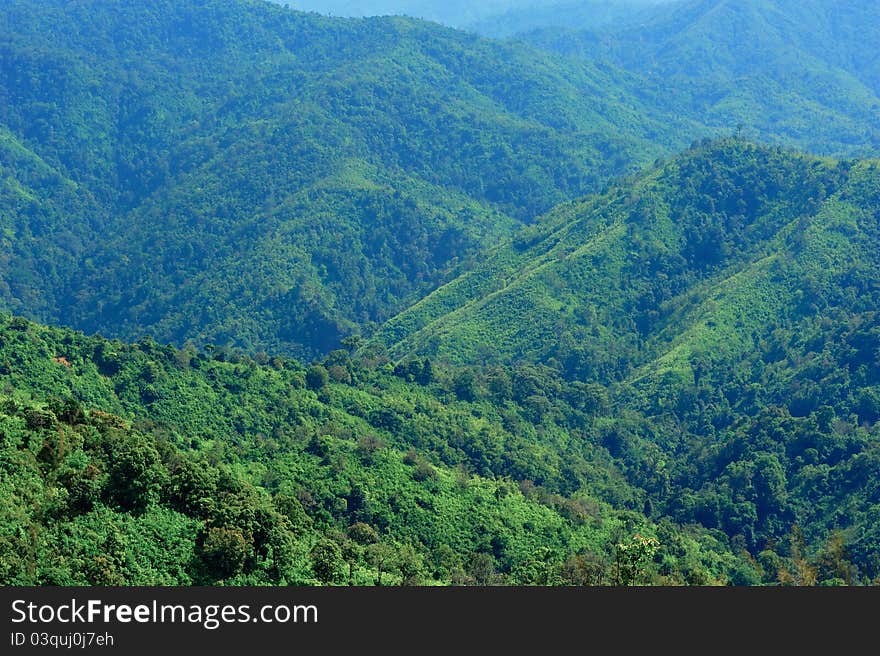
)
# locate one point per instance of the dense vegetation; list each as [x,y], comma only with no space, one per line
[217,467]
[568,14]
[386,369]
[732,438]
[242,174]
[702,253]
[726,304]
[142,464]
[495,18]
[237,172]
[796,73]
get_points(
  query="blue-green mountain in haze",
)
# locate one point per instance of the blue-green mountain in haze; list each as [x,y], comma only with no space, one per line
[496,18]
[385,302]
[569,14]
[801,73]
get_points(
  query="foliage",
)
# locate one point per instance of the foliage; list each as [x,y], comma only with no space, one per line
[793,73]
[213,468]
[720,308]
[675,380]
[227,172]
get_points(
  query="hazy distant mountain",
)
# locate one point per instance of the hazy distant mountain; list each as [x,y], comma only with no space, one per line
[455,13]
[568,14]
[496,18]
[796,72]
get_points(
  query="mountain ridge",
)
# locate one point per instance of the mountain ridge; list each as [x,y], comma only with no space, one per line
[565,248]
[788,73]
[195,145]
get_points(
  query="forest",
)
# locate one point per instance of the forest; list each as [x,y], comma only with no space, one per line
[288,299]
[213,467]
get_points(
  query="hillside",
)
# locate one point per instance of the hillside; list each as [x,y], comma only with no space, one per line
[190,169]
[145,465]
[379,302]
[794,73]
[706,253]
[679,382]
[568,14]
[238,173]
[454,13]
[723,240]
[728,298]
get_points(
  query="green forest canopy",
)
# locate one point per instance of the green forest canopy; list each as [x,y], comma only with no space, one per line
[409,349]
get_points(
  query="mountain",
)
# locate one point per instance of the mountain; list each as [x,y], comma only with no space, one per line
[729,239]
[147,465]
[191,170]
[569,14]
[726,300]
[788,72]
[730,439]
[567,355]
[493,18]
[454,13]
[237,172]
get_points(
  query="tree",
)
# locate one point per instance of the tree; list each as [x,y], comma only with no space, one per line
[381,556]
[368,445]
[583,569]
[292,509]
[191,487]
[868,405]
[363,533]
[834,564]
[137,475]
[481,566]
[352,552]
[225,551]
[426,374]
[632,559]
[800,572]
[409,563]
[326,558]
[465,385]
[317,377]
[352,343]
[67,410]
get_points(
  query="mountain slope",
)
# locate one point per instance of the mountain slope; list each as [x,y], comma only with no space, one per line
[239,173]
[568,14]
[145,465]
[36,198]
[727,303]
[788,72]
[222,152]
[494,18]
[454,13]
[704,254]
